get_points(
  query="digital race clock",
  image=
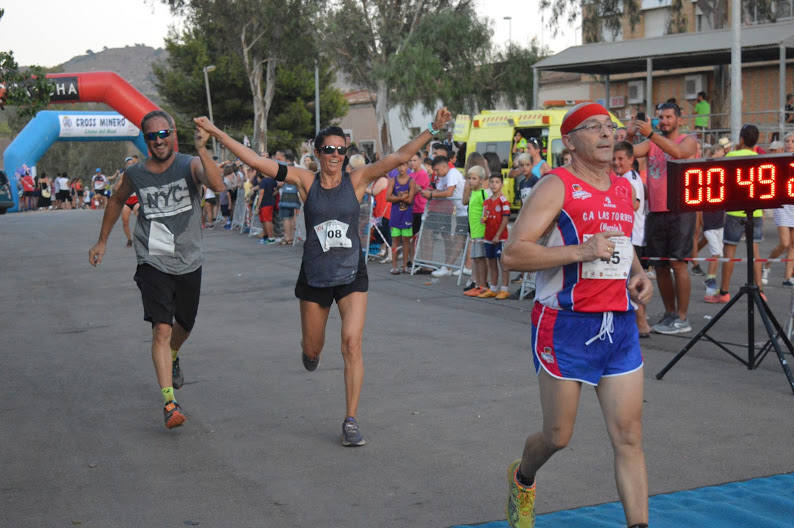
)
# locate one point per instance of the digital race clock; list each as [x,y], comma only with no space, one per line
[739,183]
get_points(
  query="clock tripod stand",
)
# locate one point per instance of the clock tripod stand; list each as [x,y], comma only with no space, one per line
[754,300]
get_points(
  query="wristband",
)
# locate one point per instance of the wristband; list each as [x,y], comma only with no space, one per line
[649,135]
[432,130]
[281,175]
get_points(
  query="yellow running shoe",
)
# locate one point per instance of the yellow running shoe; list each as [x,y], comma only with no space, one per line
[520,500]
[502,295]
[487,294]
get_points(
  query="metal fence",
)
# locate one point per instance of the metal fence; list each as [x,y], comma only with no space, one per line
[443,239]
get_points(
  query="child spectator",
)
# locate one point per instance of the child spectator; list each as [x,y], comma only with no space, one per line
[474,196]
[713,224]
[496,214]
[400,194]
[623,163]
[267,204]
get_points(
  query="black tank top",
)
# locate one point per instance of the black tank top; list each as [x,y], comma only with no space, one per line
[332,249]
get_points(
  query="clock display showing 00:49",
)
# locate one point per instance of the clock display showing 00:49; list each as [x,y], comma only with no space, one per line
[730,184]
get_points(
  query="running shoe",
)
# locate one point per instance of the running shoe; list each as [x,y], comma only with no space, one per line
[677,326]
[386,259]
[765,275]
[788,282]
[351,435]
[473,292]
[228,226]
[717,298]
[711,283]
[443,271]
[487,294]
[502,295]
[520,500]
[172,414]
[697,270]
[176,373]
[247,230]
[470,285]
[666,320]
[309,363]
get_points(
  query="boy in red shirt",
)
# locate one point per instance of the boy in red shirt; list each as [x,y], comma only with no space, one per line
[495,215]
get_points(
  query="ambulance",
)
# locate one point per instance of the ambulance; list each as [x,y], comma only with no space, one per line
[494,130]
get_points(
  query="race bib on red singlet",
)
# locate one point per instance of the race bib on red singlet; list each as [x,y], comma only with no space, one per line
[616,267]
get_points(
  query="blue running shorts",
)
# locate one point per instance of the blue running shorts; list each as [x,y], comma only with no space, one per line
[559,344]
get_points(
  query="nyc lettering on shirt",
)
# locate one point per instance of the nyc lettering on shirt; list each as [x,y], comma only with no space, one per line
[166,200]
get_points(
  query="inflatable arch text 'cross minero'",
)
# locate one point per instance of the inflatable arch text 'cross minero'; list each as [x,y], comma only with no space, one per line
[50,126]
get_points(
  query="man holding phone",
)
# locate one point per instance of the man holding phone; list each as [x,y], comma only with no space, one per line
[667,234]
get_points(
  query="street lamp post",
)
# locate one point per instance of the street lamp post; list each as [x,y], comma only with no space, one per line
[208,69]
[509,30]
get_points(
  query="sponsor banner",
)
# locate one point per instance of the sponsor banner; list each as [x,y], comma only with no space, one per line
[96,125]
[64,89]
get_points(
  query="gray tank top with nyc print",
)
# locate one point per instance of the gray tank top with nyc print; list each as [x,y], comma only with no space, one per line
[168,230]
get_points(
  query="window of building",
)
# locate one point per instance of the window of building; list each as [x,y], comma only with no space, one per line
[367,146]
[656,22]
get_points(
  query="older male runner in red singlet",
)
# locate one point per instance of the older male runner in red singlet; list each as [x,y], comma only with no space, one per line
[575,231]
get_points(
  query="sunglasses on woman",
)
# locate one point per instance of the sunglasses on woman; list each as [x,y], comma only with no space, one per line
[329,149]
[162,134]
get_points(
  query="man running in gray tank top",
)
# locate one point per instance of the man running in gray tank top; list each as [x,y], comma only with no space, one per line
[333,266]
[167,243]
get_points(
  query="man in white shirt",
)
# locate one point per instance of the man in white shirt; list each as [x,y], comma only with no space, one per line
[449,185]
[99,182]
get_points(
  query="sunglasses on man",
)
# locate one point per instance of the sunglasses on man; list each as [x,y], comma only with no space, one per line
[162,134]
[329,149]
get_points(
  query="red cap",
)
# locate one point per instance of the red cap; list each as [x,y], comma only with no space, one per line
[579,113]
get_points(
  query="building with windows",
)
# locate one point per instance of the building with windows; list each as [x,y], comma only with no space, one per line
[675,54]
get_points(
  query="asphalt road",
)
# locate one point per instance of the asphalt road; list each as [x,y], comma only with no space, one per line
[449,396]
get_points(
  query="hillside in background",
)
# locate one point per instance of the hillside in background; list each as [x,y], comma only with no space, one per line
[134,63]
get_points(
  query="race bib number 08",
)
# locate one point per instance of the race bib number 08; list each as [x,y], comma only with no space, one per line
[616,267]
[333,234]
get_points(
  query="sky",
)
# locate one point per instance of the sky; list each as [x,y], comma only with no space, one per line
[50,32]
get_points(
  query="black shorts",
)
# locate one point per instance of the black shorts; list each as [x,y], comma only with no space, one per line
[211,201]
[225,210]
[169,297]
[669,235]
[63,196]
[326,296]
[641,253]
[131,206]
[417,225]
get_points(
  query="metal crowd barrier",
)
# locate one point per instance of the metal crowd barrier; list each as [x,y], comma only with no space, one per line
[366,222]
[239,213]
[256,225]
[442,241]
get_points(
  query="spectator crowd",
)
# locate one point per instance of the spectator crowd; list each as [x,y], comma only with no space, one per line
[467,214]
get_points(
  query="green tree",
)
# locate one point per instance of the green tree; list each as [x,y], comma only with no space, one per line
[263,33]
[411,52]
[385,44]
[181,83]
[27,89]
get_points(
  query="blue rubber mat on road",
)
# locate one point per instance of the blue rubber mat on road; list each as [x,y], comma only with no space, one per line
[759,503]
